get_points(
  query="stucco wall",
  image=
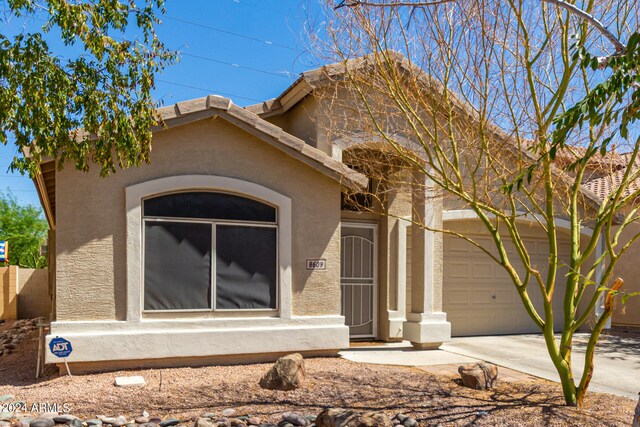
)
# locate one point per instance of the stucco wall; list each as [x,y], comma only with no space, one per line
[34,299]
[299,121]
[627,268]
[91,246]
[8,293]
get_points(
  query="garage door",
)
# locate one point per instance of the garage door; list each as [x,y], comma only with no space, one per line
[480,299]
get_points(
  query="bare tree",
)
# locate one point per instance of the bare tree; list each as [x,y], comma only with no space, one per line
[464,96]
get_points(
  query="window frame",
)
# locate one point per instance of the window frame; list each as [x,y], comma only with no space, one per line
[137,192]
[212,268]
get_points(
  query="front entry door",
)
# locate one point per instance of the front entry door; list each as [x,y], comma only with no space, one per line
[358,279]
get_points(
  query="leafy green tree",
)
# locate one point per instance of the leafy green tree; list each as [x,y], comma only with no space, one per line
[25,228]
[94,106]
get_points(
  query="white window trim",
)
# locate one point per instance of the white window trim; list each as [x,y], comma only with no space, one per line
[136,193]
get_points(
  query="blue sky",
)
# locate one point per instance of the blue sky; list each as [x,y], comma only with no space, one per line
[247,50]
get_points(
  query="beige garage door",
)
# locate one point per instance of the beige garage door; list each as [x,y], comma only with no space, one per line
[480,299]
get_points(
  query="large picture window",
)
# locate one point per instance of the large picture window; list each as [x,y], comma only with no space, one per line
[209,251]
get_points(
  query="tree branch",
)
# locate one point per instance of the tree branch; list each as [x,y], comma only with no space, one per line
[560,3]
[354,3]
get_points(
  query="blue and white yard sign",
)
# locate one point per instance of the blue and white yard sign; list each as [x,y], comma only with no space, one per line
[4,245]
[60,347]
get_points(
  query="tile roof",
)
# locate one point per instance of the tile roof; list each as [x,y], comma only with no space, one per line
[213,105]
[314,79]
[605,185]
[218,106]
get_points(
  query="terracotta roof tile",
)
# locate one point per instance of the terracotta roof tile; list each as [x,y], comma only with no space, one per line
[212,105]
[605,186]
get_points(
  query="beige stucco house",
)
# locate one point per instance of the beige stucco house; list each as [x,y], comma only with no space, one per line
[235,244]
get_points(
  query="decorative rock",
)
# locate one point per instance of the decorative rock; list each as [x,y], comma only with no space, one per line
[5,424]
[344,418]
[410,422]
[286,374]
[142,420]
[42,422]
[169,422]
[6,397]
[204,422]
[368,419]
[134,381]
[253,421]
[115,422]
[49,415]
[295,419]
[332,417]
[228,412]
[75,423]
[64,418]
[155,420]
[94,422]
[6,416]
[401,417]
[479,376]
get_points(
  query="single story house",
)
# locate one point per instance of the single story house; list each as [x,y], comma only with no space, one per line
[235,244]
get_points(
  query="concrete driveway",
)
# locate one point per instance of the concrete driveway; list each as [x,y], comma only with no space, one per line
[617,361]
[617,369]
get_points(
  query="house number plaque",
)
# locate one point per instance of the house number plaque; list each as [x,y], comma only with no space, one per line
[317,264]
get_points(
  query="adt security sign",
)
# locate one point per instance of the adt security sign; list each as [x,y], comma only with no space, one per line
[4,250]
[60,347]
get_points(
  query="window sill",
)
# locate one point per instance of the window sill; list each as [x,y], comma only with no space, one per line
[208,314]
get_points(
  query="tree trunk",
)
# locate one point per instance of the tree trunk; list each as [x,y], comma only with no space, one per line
[568,385]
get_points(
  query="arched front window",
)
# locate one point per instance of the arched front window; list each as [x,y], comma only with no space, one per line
[209,251]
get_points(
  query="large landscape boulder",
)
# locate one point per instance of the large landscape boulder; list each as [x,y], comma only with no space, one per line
[479,376]
[286,374]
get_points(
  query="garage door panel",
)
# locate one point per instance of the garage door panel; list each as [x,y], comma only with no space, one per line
[482,271]
[460,270]
[479,297]
[507,297]
[460,297]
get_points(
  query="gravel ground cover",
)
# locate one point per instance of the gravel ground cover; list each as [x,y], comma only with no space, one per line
[186,393]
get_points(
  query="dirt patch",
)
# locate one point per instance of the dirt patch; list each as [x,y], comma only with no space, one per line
[331,382]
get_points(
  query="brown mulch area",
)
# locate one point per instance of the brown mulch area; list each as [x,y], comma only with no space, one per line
[331,382]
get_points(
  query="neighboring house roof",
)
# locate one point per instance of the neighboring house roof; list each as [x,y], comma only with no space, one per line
[604,186]
[217,106]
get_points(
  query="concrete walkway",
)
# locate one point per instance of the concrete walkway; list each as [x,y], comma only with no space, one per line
[617,361]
